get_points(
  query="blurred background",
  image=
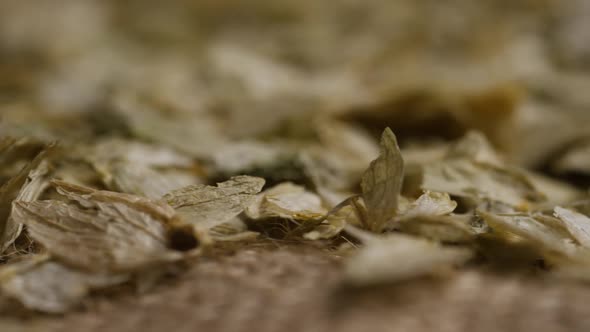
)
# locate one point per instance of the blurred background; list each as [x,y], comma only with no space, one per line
[516,70]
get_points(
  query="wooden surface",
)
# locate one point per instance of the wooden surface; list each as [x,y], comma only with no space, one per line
[299,289]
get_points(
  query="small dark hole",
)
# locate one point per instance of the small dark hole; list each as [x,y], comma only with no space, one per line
[183,239]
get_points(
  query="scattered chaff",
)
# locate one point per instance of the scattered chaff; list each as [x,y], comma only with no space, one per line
[489,160]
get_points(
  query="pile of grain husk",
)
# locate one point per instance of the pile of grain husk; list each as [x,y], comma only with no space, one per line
[294,165]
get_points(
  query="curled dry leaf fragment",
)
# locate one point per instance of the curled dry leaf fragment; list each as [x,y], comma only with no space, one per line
[27,185]
[398,257]
[556,192]
[35,185]
[448,229]
[576,223]
[47,286]
[471,169]
[578,226]
[96,240]
[430,203]
[233,230]
[429,217]
[382,182]
[206,207]
[334,224]
[546,239]
[287,201]
[105,231]
[286,209]
[89,198]
[478,181]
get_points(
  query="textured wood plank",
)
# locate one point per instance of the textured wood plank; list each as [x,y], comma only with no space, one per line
[299,289]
